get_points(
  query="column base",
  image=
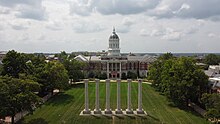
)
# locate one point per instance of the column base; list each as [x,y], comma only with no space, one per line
[107,111]
[140,111]
[118,111]
[97,111]
[129,111]
[85,113]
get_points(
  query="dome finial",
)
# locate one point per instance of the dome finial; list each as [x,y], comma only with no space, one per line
[113,29]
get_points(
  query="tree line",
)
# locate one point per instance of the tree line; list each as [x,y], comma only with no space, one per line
[182,81]
[26,78]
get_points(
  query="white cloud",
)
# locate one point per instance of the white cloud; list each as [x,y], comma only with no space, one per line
[19,25]
[108,7]
[199,9]
[41,37]
[4,10]
[172,35]
[144,33]
[212,35]
[82,7]
[82,26]
[184,7]
[127,21]
[31,9]
[54,25]
[163,33]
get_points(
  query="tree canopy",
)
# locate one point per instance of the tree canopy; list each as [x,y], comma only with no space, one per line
[53,76]
[178,78]
[17,95]
[212,104]
[14,63]
[212,59]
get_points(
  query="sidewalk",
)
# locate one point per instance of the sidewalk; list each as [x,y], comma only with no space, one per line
[197,108]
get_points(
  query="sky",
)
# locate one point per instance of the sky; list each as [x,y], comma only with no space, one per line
[144,26]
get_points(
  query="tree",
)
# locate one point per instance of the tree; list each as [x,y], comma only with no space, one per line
[131,75]
[103,76]
[166,56]
[14,63]
[62,56]
[179,79]
[74,68]
[123,76]
[212,104]
[17,95]
[212,59]
[54,76]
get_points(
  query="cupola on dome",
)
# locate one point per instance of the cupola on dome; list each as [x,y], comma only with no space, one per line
[114,35]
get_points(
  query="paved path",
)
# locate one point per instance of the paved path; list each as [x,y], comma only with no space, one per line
[197,108]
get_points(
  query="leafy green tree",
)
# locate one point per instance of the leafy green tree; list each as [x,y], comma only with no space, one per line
[166,56]
[14,63]
[17,95]
[123,76]
[91,74]
[1,69]
[156,69]
[103,76]
[75,69]
[212,104]
[179,79]
[212,59]
[62,56]
[131,75]
[54,76]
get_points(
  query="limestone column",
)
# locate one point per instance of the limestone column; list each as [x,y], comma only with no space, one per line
[86,110]
[107,70]
[108,110]
[120,70]
[118,110]
[97,110]
[140,110]
[129,110]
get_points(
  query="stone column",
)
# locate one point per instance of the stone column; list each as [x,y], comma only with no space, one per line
[112,66]
[97,110]
[118,110]
[129,110]
[108,110]
[120,70]
[107,70]
[86,110]
[140,110]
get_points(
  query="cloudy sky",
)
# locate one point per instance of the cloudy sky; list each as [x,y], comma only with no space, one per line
[85,25]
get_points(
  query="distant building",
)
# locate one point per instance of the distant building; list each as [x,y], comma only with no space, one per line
[213,71]
[114,65]
[2,55]
[215,84]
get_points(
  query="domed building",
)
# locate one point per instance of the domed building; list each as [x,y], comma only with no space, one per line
[114,49]
[114,64]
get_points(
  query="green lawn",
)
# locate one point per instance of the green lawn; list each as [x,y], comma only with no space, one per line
[66,107]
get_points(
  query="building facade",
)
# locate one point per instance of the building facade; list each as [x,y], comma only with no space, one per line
[115,65]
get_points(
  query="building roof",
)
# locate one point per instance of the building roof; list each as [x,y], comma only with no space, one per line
[145,58]
[81,58]
[209,73]
[113,35]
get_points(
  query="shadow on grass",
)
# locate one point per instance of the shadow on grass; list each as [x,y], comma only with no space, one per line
[184,108]
[80,85]
[60,99]
[34,121]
